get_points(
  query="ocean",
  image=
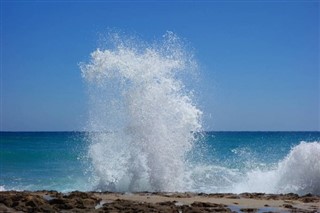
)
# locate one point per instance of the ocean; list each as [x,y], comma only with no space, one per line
[144,133]
[271,162]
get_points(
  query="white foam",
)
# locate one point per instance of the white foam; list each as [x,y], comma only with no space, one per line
[144,122]
[298,172]
[147,116]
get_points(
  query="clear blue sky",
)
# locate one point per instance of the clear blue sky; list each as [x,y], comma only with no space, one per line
[259,60]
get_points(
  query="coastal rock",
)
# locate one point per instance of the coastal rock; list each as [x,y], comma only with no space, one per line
[52,201]
[249,210]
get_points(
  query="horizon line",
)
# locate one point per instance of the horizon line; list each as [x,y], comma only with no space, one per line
[84,131]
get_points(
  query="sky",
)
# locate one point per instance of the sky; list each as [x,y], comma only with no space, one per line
[259,60]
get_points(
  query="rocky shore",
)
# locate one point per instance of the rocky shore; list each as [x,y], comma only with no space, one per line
[52,201]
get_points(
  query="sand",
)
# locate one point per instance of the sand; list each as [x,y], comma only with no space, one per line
[52,201]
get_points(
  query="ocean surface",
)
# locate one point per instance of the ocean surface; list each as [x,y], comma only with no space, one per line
[144,133]
[275,162]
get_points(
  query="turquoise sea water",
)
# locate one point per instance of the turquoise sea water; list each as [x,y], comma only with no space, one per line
[41,160]
[58,160]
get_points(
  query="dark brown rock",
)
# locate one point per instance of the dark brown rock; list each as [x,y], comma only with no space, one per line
[249,210]
[52,201]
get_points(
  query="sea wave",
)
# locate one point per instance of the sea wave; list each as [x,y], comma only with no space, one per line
[298,172]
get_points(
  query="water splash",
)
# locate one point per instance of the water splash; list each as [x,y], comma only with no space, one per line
[2,188]
[145,116]
[298,172]
[143,125]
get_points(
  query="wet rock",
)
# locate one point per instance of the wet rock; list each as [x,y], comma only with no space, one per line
[308,199]
[57,201]
[203,204]
[52,201]
[89,202]
[77,194]
[249,210]
[167,203]
[287,206]
[5,209]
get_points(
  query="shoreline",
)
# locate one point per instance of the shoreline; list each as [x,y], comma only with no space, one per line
[53,201]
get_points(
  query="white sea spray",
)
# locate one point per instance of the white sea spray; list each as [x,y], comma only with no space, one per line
[298,172]
[143,124]
[145,116]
